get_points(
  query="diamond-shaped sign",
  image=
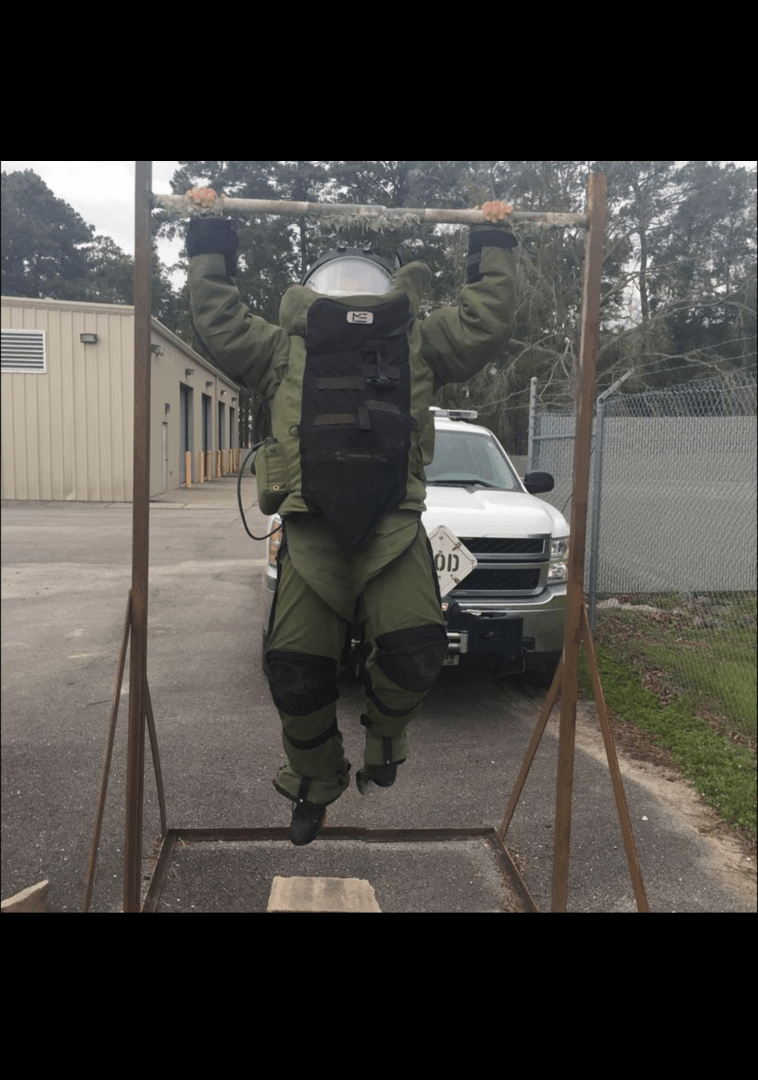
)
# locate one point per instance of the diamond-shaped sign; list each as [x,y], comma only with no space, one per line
[452,560]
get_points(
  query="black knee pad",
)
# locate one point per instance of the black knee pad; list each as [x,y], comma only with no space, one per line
[301,684]
[412,658]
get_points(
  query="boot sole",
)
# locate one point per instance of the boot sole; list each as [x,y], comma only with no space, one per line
[309,839]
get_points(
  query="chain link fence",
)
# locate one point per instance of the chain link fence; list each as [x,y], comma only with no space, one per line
[671,533]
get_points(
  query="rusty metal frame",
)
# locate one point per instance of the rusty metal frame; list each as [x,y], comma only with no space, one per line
[565,684]
[578,631]
[135,625]
[491,837]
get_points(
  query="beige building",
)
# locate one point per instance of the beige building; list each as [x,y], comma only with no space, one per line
[68,405]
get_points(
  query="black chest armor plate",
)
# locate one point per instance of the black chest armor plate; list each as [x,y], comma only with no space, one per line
[355,428]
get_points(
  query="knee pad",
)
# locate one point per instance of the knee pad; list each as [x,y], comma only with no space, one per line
[301,684]
[412,659]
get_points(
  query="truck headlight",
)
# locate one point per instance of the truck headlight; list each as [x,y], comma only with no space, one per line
[559,553]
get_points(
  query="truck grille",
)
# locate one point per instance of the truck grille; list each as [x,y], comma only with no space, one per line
[497,580]
[485,545]
[513,565]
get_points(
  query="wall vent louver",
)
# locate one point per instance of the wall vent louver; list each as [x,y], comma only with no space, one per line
[24,351]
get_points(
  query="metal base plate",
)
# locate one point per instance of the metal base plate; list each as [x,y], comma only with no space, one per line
[418,870]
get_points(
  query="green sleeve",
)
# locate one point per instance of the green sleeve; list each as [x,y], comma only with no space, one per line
[243,345]
[459,341]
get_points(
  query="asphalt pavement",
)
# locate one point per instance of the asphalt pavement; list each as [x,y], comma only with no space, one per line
[66,573]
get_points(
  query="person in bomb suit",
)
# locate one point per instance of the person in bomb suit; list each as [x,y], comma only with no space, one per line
[350,374]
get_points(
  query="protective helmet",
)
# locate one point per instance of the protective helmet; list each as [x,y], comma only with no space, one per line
[350,272]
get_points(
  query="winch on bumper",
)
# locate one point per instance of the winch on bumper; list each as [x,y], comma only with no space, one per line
[472,632]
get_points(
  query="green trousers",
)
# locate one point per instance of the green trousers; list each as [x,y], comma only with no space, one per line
[391,592]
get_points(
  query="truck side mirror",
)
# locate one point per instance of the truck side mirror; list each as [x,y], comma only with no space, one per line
[536,483]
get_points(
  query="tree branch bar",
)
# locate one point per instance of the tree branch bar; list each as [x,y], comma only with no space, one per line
[389,216]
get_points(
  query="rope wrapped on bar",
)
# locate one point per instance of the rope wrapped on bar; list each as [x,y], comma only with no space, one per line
[376,218]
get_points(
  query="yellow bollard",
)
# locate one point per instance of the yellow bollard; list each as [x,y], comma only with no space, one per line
[188,467]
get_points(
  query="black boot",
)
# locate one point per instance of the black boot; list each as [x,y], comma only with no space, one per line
[382,775]
[307,819]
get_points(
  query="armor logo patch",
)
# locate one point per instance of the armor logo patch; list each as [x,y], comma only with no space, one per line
[365,318]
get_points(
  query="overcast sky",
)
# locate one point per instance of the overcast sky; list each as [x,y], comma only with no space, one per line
[102,193]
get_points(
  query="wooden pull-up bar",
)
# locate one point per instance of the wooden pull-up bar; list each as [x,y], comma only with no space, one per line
[370,217]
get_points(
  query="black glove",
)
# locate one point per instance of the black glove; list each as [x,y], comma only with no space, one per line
[482,236]
[214,236]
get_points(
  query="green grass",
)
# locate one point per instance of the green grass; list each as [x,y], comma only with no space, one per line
[709,734]
[702,646]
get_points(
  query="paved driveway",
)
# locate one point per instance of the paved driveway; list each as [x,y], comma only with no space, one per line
[66,571]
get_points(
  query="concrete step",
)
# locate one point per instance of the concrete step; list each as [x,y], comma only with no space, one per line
[322,894]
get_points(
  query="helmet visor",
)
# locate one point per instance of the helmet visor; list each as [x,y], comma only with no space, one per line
[350,276]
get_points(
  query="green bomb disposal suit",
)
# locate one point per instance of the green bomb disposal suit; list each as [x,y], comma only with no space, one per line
[350,383]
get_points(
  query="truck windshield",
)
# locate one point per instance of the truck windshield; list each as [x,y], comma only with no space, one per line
[464,457]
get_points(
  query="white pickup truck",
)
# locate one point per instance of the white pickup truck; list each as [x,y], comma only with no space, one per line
[519,543]
[501,553]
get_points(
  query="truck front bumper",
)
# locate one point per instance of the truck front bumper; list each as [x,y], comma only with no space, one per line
[541,621]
